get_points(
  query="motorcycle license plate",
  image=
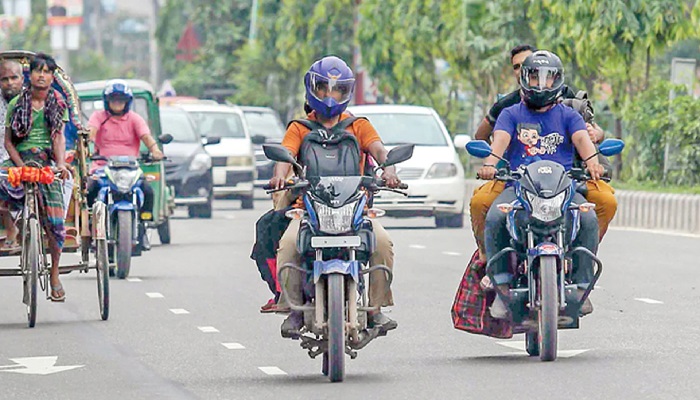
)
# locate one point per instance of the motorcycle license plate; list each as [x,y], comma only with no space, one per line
[335,241]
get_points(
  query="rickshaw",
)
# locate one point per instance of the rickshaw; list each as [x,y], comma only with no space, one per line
[146,105]
[80,238]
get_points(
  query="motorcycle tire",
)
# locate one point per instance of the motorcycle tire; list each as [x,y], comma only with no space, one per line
[549,308]
[336,327]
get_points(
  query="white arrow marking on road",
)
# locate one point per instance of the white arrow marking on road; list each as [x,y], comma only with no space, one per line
[36,366]
[133,279]
[272,370]
[417,246]
[207,329]
[451,253]
[179,311]
[649,301]
[520,345]
[233,346]
[155,295]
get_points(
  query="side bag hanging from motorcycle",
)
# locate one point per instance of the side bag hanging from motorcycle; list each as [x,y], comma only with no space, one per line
[330,152]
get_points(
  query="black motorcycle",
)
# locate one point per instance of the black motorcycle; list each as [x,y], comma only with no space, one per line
[542,224]
[336,241]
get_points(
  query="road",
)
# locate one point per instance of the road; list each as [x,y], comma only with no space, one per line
[641,342]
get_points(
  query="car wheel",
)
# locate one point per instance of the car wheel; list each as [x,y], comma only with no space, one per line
[247,202]
[201,210]
[450,220]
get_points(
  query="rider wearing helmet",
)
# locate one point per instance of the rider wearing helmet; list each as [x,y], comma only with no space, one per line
[118,131]
[329,85]
[539,128]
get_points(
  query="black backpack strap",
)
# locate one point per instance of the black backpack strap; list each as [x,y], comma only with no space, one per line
[307,123]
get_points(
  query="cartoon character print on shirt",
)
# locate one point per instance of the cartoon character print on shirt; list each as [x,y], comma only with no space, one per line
[535,144]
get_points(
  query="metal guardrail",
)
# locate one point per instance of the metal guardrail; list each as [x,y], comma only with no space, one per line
[646,210]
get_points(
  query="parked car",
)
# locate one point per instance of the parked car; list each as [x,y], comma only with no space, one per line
[265,127]
[434,174]
[189,167]
[232,158]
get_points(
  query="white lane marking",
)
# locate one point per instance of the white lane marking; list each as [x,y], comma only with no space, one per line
[272,370]
[133,279]
[230,217]
[649,301]
[207,329]
[179,311]
[155,295]
[417,246]
[451,253]
[655,232]
[233,346]
[520,345]
[36,366]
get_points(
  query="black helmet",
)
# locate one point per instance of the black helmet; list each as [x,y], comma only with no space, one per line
[541,79]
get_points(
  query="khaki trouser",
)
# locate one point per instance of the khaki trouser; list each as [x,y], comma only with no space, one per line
[292,280]
[599,192]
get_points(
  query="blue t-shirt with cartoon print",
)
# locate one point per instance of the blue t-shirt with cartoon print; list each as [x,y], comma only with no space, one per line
[540,135]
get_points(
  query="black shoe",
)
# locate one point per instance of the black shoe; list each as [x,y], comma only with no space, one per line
[292,325]
[382,322]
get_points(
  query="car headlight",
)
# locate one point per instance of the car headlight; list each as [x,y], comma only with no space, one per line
[200,162]
[441,170]
[546,210]
[239,161]
[124,179]
[335,220]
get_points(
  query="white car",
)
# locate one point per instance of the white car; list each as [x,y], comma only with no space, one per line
[434,174]
[233,159]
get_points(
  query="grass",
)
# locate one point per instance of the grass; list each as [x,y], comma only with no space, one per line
[656,187]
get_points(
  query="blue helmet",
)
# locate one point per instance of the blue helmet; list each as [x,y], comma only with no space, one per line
[117,89]
[329,86]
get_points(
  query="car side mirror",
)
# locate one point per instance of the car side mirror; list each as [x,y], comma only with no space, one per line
[399,154]
[211,140]
[258,139]
[460,141]
[165,138]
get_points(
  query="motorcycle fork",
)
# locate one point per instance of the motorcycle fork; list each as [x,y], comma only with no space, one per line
[320,298]
[532,279]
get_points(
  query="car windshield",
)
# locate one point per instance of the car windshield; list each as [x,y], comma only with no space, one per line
[264,123]
[179,125]
[221,124]
[398,128]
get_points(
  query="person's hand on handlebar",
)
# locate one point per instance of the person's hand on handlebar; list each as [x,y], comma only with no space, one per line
[276,183]
[157,154]
[390,178]
[595,169]
[62,172]
[487,172]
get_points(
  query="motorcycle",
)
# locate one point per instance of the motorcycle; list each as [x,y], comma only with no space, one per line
[336,241]
[120,191]
[542,223]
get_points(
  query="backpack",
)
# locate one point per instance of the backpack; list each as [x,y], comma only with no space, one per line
[583,106]
[329,152]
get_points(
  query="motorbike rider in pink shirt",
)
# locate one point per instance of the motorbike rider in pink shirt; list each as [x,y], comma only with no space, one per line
[119,131]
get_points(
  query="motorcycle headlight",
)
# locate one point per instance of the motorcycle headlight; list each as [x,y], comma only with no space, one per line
[335,220]
[546,210]
[239,161]
[200,162]
[441,170]
[124,179]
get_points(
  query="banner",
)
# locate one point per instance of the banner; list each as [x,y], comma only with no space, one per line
[64,12]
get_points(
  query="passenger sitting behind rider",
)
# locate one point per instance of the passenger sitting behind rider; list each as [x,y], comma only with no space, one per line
[118,131]
[539,128]
[329,87]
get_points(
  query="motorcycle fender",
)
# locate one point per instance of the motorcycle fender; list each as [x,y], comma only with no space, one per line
[102,195]
[545,249]
[336,266]
[121,206]
[139,196]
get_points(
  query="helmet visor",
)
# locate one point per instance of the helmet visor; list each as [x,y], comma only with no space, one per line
[122,97]
[541,78]
[323,88]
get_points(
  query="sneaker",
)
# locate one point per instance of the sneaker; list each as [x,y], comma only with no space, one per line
[587,306]
[499,309]
[292,325]
[381,321]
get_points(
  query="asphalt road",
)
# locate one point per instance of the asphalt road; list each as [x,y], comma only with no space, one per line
[641,342]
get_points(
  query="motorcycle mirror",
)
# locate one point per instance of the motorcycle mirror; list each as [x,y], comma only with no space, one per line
[276,152]
[611,147]
[165,138]
[478,148]
[399,154]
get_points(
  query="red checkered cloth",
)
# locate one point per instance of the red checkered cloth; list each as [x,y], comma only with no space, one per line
[470,310]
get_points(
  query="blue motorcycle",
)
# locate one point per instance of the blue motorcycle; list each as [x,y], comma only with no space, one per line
[122,198]
[542,224]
